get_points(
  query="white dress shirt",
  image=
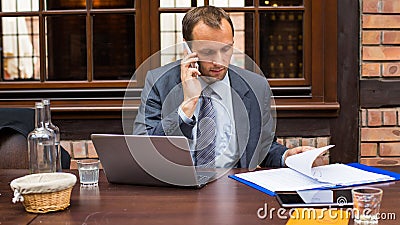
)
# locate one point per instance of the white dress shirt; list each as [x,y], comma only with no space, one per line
[226,151]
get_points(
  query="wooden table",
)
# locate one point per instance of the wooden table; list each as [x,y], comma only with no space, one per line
[224,201]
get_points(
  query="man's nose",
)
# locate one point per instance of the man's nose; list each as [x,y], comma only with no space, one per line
[220,58]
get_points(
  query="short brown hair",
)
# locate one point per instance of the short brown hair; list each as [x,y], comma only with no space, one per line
[210,15]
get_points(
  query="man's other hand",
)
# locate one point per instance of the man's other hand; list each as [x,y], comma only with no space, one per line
[319,161]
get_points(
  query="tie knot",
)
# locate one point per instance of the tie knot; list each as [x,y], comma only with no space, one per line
[207,92]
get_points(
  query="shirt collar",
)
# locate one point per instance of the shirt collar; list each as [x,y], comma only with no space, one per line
[221,88]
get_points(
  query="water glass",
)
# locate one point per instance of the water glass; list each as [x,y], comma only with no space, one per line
[367,202]
[88,172]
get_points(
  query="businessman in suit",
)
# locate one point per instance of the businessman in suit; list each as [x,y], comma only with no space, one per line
[237,102]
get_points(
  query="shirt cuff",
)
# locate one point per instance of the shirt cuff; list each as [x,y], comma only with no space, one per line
[184,118]
[283,158]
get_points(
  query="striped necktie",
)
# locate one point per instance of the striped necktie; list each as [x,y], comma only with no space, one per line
[206,131]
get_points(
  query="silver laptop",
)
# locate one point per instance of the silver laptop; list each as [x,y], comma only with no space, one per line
[148,160]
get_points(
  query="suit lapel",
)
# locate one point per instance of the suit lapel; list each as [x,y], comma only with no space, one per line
[241,111]
[178,94]
[175,95]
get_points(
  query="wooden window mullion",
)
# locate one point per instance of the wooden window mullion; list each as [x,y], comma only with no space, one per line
[42,42]
[89,40]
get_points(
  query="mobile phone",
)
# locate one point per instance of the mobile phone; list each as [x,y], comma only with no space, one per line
[186,46]
[341,198]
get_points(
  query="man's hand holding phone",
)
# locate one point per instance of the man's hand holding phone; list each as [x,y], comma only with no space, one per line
[190,83]
[189,51]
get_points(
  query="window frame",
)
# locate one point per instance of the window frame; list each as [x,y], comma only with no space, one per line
[320,59]
[320,64]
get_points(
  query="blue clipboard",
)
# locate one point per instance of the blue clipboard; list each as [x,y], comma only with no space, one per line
[396,176]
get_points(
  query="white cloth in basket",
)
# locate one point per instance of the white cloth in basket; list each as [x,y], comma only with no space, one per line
[41,183]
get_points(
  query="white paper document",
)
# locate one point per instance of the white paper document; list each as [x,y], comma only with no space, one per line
[302,176]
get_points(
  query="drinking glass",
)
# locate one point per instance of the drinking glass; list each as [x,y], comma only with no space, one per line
[88,172]
[367,202]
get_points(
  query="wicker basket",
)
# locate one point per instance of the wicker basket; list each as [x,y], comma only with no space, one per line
[44,192]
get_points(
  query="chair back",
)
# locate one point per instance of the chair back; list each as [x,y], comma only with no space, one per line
[15,125]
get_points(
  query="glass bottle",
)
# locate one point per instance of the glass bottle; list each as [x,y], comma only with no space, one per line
[41,148]
[49,125]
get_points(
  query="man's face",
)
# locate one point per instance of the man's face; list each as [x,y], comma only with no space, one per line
[214,48]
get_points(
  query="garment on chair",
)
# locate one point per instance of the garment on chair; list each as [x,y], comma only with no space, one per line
[22,120]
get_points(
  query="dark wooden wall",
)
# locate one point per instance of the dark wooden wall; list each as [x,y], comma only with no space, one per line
[344,129]
[379,93]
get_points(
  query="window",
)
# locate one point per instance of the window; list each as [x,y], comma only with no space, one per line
[70,30]
[20,41]
[286,38]
[82,53]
